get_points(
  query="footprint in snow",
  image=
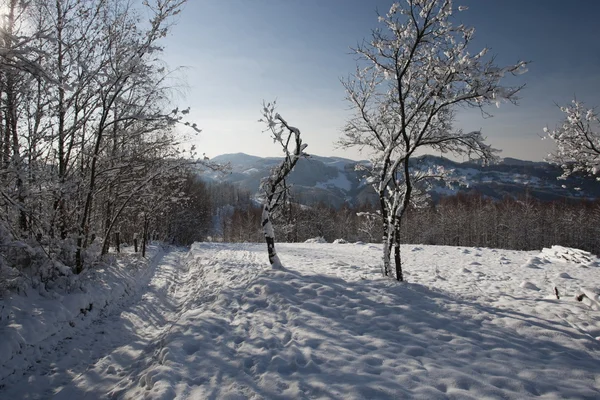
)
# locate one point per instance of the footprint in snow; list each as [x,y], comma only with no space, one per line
[533,263]
[529,285]
[564,275]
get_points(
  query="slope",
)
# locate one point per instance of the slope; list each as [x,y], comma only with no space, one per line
[472,323]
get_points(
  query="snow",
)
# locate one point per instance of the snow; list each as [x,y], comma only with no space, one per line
[319,239]
[340,241]
[591,298]
[565,254]
[342,164]
[250,171]
[341,181]
[217,322]
[33,323]
[444,190]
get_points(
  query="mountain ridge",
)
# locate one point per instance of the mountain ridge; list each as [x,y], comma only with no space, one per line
[335,180]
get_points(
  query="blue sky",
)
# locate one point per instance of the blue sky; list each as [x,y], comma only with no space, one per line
[238,52]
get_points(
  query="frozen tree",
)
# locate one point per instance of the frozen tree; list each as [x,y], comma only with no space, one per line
[410,78]
[131,95]
[86,138]
[274,187]
[577,140]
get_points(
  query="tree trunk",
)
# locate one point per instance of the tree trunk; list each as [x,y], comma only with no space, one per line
[89,198]
[62,112]
[386,239]
[11,113]
[145,234]
[387,250]
[107,224]
[270,238]
[397,259]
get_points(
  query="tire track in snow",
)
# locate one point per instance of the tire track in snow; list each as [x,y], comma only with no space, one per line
[113,343]
[60,359]
[181,283]
[139,328]
[213,268]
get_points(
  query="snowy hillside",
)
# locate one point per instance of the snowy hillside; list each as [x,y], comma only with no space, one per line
[334,180]
[217,322]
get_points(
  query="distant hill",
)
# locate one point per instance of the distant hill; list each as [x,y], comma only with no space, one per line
[334,180]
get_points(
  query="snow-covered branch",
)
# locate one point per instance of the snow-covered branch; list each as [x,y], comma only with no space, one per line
[274,187]
[577,140]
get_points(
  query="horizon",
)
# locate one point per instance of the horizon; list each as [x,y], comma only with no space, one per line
[445,156]
[237,54]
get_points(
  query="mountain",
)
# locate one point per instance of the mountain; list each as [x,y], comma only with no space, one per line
[334,180]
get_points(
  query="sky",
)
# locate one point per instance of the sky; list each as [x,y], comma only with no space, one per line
[234,54]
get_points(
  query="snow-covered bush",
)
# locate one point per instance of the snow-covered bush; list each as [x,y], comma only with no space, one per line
[319,239]
[26,264]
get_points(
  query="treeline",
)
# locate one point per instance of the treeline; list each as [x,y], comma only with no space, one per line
[87,140]
[519,224]
[461,220]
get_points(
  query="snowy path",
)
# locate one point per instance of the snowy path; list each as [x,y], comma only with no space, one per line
[110,347]
[217,322]
[180,284]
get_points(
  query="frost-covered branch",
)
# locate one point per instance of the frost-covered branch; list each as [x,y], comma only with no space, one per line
[274,187]
[577,140]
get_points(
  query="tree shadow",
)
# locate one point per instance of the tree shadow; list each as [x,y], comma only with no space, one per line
[287,335]
[291,335]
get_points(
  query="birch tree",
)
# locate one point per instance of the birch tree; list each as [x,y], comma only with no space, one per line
[274,187]
[410,78]
[577,140]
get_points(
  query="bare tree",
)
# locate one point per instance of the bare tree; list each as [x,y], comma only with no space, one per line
[367,224]
[125,94]
[274,187]
[85,132]
[409,80]
[577,140]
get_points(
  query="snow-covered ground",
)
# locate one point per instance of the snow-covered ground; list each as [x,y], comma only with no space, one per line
[216,322]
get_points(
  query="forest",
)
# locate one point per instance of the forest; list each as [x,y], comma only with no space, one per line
[468,220]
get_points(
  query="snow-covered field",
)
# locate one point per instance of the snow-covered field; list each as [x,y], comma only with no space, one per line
[217,323]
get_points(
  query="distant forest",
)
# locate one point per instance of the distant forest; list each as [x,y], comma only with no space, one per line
[460,220]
